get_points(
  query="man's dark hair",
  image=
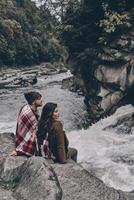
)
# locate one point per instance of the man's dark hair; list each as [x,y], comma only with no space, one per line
[32,96]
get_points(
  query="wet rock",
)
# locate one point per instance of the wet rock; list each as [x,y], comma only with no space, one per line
[112,98]
[74,84]
[25,81]
[24,77]
[123,123]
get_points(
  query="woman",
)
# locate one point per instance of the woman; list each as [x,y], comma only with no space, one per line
[51,129]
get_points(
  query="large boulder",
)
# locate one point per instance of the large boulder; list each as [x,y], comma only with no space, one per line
[34,178]
[37,180]
[78,184]
[23,178]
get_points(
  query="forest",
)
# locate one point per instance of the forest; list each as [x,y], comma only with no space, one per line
[26,34]
[31,34]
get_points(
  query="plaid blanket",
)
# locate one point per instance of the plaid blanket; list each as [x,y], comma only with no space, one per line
[26,131]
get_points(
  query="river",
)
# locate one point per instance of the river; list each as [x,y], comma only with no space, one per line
[100,152]
[71,106]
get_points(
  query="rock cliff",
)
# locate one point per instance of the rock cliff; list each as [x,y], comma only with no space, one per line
[105,74]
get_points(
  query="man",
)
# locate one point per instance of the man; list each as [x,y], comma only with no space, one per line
[26,141]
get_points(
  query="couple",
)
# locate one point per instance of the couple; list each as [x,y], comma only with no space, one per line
[36,136]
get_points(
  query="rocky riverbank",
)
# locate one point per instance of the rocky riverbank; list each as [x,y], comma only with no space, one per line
[26,76]
[35,178]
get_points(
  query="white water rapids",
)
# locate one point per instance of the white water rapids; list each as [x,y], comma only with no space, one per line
[106,154]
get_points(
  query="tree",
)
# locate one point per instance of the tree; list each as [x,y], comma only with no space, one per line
[56,7]
[23,27]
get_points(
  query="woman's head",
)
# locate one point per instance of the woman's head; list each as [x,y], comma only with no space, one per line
[48,114]
[48,111]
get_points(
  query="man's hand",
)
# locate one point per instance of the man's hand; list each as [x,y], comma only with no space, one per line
[13,153]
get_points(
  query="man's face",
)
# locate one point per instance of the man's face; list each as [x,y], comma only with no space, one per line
[38,102]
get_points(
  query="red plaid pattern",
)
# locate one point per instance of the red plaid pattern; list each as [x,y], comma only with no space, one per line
[26,131]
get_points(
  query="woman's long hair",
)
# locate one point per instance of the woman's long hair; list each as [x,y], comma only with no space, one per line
[45,121]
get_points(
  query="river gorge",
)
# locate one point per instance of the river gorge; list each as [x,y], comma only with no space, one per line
[105,149]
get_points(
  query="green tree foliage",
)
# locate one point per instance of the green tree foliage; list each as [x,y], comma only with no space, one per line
[86,21]
[80,28]
[26,33]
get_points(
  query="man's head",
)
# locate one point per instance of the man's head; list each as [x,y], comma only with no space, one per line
[34,98]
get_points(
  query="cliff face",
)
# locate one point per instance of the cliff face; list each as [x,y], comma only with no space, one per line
[107,81]
[101,46]
[115,71]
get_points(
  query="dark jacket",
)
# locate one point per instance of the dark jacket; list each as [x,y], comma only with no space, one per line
[58,142]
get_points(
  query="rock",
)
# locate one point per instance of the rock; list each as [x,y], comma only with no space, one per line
[6,144]
[109,65]
[34,178]
[122,123]
[123,77]
[110,99]
[74,84]
[9,166]
[25,179]
[24,77]
[115,84]
[6,195]
[25,81]
[78,184]
[37,181]
[116,75]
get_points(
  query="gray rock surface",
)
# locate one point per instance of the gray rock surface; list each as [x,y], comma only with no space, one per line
[105,74]
[24,178]
[78,184]
[37,181]
[115,70]
[123,122]
[117,81]
[24,77]
[34,178]
[6,195]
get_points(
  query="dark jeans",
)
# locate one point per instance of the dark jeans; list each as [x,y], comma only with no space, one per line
[72,153]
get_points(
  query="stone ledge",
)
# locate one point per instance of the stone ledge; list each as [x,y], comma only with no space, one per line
[35,178]
[78,184]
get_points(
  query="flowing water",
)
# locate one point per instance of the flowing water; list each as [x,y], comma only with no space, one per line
[106,154]
[70,105]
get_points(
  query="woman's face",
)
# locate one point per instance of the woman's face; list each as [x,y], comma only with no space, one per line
[56,114]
